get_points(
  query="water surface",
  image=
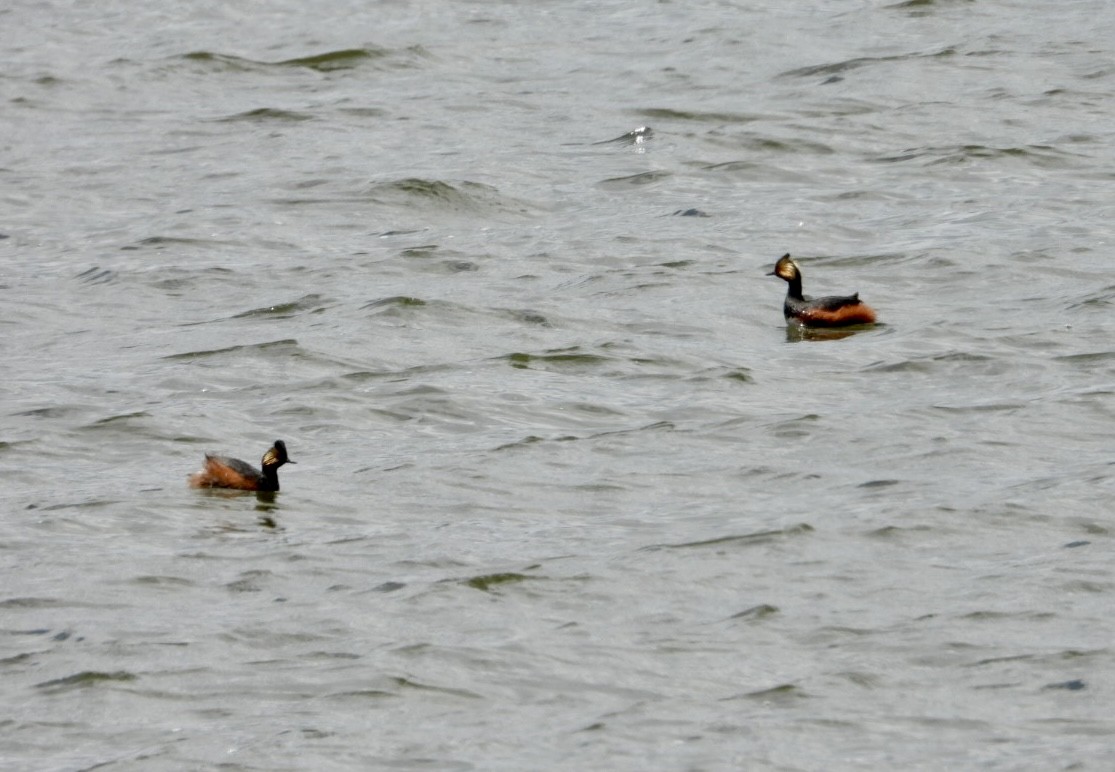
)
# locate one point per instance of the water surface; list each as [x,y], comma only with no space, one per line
[569,494]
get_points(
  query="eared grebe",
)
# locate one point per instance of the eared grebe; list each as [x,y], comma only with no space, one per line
[222,472]
[831,311]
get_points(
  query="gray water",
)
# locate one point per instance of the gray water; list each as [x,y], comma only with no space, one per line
[569,495]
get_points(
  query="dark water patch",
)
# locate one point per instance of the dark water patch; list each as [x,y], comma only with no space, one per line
[329,61]
[344,59]
[795,428]
[32,603]
[163,582]
[878,483]
[986,616]
[764,144]
[449,261]
[84,679]
[634,137]
[389,587]
[311,303]
[364,112]
[1082,586]
[1040,156]
[1074,685]
[894,531]
[407,683]
[962,356]
[133,423]
[917,9]
[656,426]
[222,62]
[421,251]
[364,694]
[755,170]
[783,694]
[91,503]
[249,581]
[1091,358]
[1101,299]
[55,411]
[1076,544]
[395,305]
[461,197]
[488,581]
[762,611]
[97,275]
[666,113]
[163,242]
[267,115]
[528,316]
[270,348]
[690,213]
[401,375]
[863,680]
[737,374]
[847,65]
[739,540]
[987,407]
[557,359]
[532,439]
[643,178]
[931,364]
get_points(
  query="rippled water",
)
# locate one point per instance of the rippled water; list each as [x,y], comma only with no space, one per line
[569,494]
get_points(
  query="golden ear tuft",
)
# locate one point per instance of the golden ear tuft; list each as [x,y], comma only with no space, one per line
[786,268]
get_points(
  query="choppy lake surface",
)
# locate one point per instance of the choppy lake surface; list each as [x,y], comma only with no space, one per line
[569,494]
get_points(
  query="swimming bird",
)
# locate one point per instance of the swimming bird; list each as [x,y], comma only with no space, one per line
[830,311]
[224,472]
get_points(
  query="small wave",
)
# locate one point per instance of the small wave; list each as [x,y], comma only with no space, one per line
[460,197]
[775,694]
[267,114]
[761,611]
[488,582]
[170,242]
[328,61]
[115,420]
[753,170]
[561,360]
[645,178]
[97,275]
[743,540]
[286,346]
[924,7]
[634,137]
[1041,156]
[84,679]
[393,302]
[698,116]
[306,303]
[788,146]
[836,68]
[344,59]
